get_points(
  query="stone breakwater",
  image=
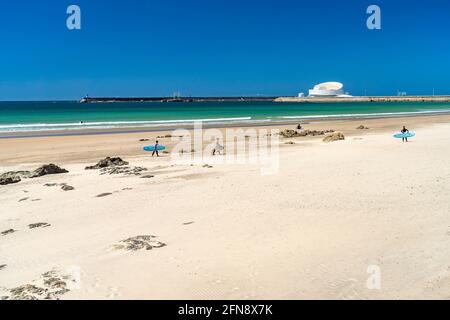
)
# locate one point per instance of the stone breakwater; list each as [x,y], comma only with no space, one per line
[367,99]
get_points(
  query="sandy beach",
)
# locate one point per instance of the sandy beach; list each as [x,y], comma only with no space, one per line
[331,213]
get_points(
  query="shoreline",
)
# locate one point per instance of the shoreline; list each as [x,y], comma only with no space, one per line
[205,125]
[90,146]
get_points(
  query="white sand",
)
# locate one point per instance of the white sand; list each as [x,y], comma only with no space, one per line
[308,232]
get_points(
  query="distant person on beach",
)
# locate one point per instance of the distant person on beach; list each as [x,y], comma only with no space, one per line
[156,149]
[218,148]
[404,130]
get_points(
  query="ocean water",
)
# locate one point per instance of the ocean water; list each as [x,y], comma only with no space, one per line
[17,117]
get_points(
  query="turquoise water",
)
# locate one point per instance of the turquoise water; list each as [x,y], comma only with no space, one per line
[70,115]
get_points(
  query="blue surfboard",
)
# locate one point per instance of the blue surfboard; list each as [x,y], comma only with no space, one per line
[152,148]
[404,135]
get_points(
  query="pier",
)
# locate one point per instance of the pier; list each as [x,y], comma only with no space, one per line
[174,99]
[267,98]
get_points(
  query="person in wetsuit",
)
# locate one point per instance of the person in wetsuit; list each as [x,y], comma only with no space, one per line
[156,149]
[218,148]
[404,130]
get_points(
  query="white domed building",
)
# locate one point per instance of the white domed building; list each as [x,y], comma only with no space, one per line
[328,89]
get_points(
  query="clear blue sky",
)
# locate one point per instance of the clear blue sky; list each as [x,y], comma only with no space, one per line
[221,47]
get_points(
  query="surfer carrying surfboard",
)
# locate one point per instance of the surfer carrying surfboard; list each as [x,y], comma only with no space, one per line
[218,148]
[156,149]
[404,130]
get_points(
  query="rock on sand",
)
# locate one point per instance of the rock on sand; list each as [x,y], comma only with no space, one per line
[334,137]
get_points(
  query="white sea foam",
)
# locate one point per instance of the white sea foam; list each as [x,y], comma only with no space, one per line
[104,125]
[364,115]
[110,124]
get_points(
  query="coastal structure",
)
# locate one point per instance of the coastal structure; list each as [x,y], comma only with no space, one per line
[328,89]
[343,99]
[176,99]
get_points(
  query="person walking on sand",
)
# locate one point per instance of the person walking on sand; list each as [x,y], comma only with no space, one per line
[156,149]
[218,148]
[404,130]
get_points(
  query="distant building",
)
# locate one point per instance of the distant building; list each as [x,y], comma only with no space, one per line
[328,89]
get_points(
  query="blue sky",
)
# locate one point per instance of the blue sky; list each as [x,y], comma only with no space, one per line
[221,47]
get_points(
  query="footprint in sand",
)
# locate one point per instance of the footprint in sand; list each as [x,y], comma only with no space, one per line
[24,199]
[188,223]
[50,185]
[138,243]
[346,289]
[6,232]
[2,266]
[97,282]
[39,225]
[113,292]
[101,195]
[64,186]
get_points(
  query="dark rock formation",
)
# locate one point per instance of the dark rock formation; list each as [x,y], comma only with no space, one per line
[66,187]
[166,136]
[9,180]
[123,170]
[108,162]
[288,133]
[17,176]
[101,195]
[334,137]
[45,170]
[139,242]
[50,185]
[13,177]
[51,286]
[9,231]
[39,225]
